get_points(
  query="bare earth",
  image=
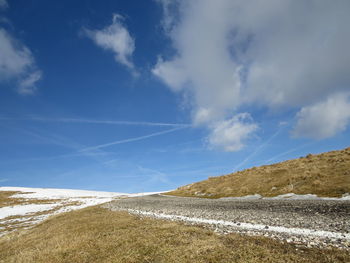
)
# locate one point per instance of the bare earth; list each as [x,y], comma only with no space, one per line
[314,223]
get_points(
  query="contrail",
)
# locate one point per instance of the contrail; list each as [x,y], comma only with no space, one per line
[289,151]
[56,140]
[108,122]
[131,139]
[259,148]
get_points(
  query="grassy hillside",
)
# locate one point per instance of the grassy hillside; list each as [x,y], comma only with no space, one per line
[326,174]
[96,234]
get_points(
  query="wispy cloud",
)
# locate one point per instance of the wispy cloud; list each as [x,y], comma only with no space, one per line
[27,85]
[184,147]
[115,38]
[98,156]
[287,152]
[3,4]
[107,122]
[155,175]
[17,63]
[261,146]
[59,140]
[77,150]
[131,139]
[3,180]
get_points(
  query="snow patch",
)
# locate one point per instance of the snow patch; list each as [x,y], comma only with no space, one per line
[290,196]
[66,200]
[20,210]
[246,226]
[53,193]
[246,197]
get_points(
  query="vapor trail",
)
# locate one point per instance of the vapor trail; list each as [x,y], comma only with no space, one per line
[110,122]
[131,139]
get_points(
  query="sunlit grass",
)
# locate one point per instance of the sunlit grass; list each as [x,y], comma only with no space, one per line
[96,234]
[325,174]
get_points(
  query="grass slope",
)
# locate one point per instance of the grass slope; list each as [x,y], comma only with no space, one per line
[326,174]
[96,234]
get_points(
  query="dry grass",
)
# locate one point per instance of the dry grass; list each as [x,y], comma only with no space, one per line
[326,174]
[7,200]
[12,223]
[96,234]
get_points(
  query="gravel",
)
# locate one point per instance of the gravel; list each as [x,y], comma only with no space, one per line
[312,223]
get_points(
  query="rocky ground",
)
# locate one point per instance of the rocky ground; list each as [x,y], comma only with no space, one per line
[319,223]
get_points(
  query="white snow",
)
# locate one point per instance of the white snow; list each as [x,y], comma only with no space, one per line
[53,193]
[246,197]
[146,193]
[246,226]
[63,197]
[19,210]
[290,196]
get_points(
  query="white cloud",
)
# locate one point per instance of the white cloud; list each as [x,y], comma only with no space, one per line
[203,68]
[14,58]
[203,61]
[17,62]
[230,134]
[170,8]
[117,39]
[324,119]
[235,54]
[3,4]
[299,53]
[27,85]
[172,73]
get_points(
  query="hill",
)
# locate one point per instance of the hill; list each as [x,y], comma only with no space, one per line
[326,174]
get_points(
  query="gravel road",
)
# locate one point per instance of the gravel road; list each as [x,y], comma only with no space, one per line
[319,223]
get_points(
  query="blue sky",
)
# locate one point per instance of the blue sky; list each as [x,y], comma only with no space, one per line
[133,96]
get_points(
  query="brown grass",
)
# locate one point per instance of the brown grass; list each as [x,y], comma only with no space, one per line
[98,235]
[326,174]
[7,200]
[17,222]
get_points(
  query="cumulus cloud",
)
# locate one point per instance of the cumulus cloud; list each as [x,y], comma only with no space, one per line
[172,73]
[235,54]
[17,63]
[170,10]
[324,119]
[115,38]
[298,53]
[230,134]
[203,61]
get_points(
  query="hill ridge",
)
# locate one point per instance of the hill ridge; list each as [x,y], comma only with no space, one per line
[325,174]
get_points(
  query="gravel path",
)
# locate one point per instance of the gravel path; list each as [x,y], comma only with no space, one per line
[319,223]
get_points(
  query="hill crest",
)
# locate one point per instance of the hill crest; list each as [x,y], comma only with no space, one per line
[326,174]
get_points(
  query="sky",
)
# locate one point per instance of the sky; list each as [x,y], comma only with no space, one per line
[133,96]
